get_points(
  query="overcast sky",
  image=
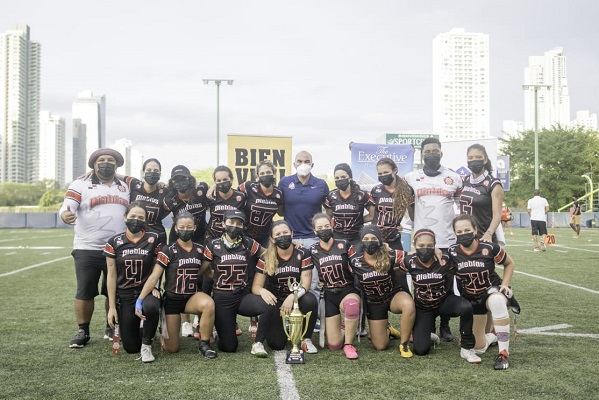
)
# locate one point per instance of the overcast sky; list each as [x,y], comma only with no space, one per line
[324,72]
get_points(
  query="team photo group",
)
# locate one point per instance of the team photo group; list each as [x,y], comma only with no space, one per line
[240,249]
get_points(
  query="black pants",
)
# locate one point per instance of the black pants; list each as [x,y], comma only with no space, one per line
[275,335]
[131,336]
[226,307]
[452,306]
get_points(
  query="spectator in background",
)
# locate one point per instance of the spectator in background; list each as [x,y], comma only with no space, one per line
[576,213]
[506,218]
[538,209]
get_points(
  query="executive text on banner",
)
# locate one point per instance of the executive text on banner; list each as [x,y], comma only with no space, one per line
[364,157]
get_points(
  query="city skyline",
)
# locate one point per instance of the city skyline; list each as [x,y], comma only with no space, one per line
[326,74]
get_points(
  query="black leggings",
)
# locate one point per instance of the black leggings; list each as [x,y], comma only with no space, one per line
[275,336]
[131,336]
[452,306]
[226,307]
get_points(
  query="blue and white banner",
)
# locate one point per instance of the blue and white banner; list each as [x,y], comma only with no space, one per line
[364,157]
[503,171]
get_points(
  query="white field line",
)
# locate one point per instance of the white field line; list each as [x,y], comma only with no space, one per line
[285,377]
[32,237]
[33,266]
[544,330]
[556,246]
[554,281]
[31,248]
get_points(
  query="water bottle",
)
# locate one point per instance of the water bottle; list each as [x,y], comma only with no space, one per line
[116,341]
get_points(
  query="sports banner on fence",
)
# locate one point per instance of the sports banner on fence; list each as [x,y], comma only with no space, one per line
[246,151]
[407,138]
[503,171]
[364,157]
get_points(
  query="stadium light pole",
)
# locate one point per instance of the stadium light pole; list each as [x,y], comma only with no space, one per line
[536,88]
[217,82]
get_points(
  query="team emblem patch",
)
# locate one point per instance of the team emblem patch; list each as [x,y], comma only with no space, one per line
[486,183]
[448,180]
[277,196]
[238,198]
[121,188]
[200,193]
[485,252]
[299,257]
[151,240]
[340,246]
[216,246]
[292,186]
[119,241]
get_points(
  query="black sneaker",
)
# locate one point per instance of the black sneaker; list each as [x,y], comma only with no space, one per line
[206,350]
[108,333]
[446,334]
[502,361]
[79,340]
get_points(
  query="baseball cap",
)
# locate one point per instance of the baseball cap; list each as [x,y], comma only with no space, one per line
[105,151]
[180,170]
[231,214]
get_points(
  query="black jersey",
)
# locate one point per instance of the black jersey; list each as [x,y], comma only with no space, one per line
[388,223]
[378,287]
[153,201]
[476,200]
[218,206]
[476,270]
[196,205]
[182,268]
[432,283]
[230,266]
[260,208]
[299,261]
[134,260]
[333,263]
[348,213]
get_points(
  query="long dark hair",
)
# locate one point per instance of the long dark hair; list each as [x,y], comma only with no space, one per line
[401,195]
[480,147]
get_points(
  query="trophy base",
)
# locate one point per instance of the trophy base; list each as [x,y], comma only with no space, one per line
[295,358]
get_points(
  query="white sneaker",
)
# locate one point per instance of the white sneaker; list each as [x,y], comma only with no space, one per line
[146,353]
[186,329]
[470,356]
[308,346]
[435,339]
[258,350]
[491,338]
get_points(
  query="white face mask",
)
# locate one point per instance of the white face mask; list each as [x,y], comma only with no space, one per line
[304,170]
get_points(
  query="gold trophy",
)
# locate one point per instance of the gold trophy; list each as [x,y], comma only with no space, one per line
[292,325]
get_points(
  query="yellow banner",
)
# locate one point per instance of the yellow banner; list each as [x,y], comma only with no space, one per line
[246,151]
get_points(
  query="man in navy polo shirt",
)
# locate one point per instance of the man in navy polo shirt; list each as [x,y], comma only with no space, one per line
[304,195]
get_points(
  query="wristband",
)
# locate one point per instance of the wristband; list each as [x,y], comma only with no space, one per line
[139,305]
[301,292]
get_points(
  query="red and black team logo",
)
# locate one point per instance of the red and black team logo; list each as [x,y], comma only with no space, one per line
[121,188]
[485,252]
[486,183]
[151,240]
[340,246]
[238,198]
[448,180]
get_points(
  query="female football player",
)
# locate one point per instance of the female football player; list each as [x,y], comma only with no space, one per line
[222,199]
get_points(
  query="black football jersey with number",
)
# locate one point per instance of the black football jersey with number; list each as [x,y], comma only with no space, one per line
[153,201]
[476,200]
[277,284]
[476,270]
[218,206]
[384,219]
[260,209]
[181,268]
[377,287]
[432,282]
[348,213]
[333,264]
[134,260]
[230,266]
[196,206]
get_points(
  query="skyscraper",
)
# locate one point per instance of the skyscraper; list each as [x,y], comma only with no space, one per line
[89,128]
[20,60]
[553,104]
[461,85]
[52,148]
[133,159]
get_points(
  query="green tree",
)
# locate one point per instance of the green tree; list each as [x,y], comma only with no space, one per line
[564,155]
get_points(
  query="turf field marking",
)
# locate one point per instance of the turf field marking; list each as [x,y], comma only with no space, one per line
[554,281]
[11,253]
[31,248]
[32,237]
[33,266]
[545,330]
[285,377]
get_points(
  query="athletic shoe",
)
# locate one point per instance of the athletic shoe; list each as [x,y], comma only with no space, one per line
[146,353]
[537,248]
[435,340]
[253,329]
[502,361]
[446,334]
[206,350]
[258,350]
[79,340]
[362,332]
[543,247]
[108,333]
[317,326]
[237,329]
[405,351]
[350,352]
[393,333]
[309,347]
[491,339]
[186,329]
[470,356]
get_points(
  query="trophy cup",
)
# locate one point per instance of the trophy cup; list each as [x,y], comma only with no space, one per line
[292,325]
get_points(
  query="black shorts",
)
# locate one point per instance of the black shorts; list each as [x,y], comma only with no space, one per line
[333,297]
[89,265]
[380,310]
[175,303]
[538,227]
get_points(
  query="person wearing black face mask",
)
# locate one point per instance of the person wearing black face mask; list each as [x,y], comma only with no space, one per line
[282,261]
[136,247]
[376,270]
[434,296]
[221,199]
[482,196]
[230,258]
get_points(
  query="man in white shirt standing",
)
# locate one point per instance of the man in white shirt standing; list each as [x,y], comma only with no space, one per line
[538,209]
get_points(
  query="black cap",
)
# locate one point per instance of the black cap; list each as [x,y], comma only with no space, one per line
[231,214]
[180,170]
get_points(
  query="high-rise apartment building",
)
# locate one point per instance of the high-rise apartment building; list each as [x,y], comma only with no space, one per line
[585,119]
[461,107]
[20,59]
[89,128]
[52,151]
[133,159]
[552,98]
[512,128]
